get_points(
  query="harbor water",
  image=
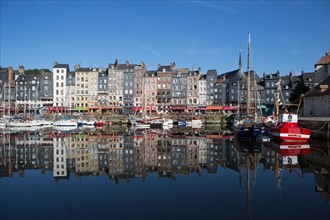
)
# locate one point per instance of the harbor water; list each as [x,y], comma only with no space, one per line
[183,173]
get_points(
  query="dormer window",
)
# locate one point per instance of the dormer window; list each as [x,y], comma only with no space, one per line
[164,70]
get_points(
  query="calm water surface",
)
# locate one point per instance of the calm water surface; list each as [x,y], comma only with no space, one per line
[151,174]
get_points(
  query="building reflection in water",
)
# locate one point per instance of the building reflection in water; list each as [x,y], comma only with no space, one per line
[124,155]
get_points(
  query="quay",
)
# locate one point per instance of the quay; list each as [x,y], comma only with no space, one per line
[319,126]
[122,119]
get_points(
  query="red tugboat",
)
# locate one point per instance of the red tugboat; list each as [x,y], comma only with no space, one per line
[99,123]
[286,128]
[284,125]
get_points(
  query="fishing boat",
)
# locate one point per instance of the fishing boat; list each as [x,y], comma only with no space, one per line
[99,123]
[66,123]
[248,125]
[20,122]
[89,123]
[284,124]
[182,123]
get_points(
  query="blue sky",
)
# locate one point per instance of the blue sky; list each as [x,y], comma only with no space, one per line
[290,36]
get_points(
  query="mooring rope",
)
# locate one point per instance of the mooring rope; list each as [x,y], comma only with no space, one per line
[319,128]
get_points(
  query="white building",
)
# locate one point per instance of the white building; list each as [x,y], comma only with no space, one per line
[60,166]
[60,72]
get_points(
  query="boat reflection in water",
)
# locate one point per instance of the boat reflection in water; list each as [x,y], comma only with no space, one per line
[124,155]
[288,152]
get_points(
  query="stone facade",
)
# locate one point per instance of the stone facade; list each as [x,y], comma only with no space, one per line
[317,97]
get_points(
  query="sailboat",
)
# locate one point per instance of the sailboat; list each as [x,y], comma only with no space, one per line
[284,124]
[249,127]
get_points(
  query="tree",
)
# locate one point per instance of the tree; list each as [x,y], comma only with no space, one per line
[300,89]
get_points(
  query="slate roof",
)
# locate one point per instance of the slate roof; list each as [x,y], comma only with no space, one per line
[211,72]
[103,72]
[235,74]
[306,76]
[203,77]
[167,68]
[89,69]
[150,72]
[316,91]
[183,70]
[61,66]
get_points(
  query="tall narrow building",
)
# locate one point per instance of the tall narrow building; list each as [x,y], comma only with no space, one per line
[60,72]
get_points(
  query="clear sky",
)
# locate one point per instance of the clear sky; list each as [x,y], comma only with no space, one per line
[290,36]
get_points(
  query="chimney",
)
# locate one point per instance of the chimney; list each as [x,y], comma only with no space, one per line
[173,65]
[144,67]
[77,67]
[21,69]
[55,63]
[264,75]
[127,63]
[224,77]
[116,63]
[158,65]
[199,71]
[11,80]
[277,73]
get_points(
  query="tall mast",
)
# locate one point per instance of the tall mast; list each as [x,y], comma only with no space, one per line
[248,81]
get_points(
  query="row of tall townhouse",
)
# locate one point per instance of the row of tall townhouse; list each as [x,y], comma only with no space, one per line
[125,87]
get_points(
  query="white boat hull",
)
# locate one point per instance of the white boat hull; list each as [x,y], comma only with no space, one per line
[65,123]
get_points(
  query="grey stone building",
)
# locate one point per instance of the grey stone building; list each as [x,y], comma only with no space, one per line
[27,93]
[227,86]
[46,89]
[270,81]
[102,91]
[211,77]
[128,88]
[317,97]
[179,89]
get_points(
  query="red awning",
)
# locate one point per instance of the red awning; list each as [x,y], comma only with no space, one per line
[178,107]
[213,107]
[230,108]
[138,108]
[148,108]
[59,108]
